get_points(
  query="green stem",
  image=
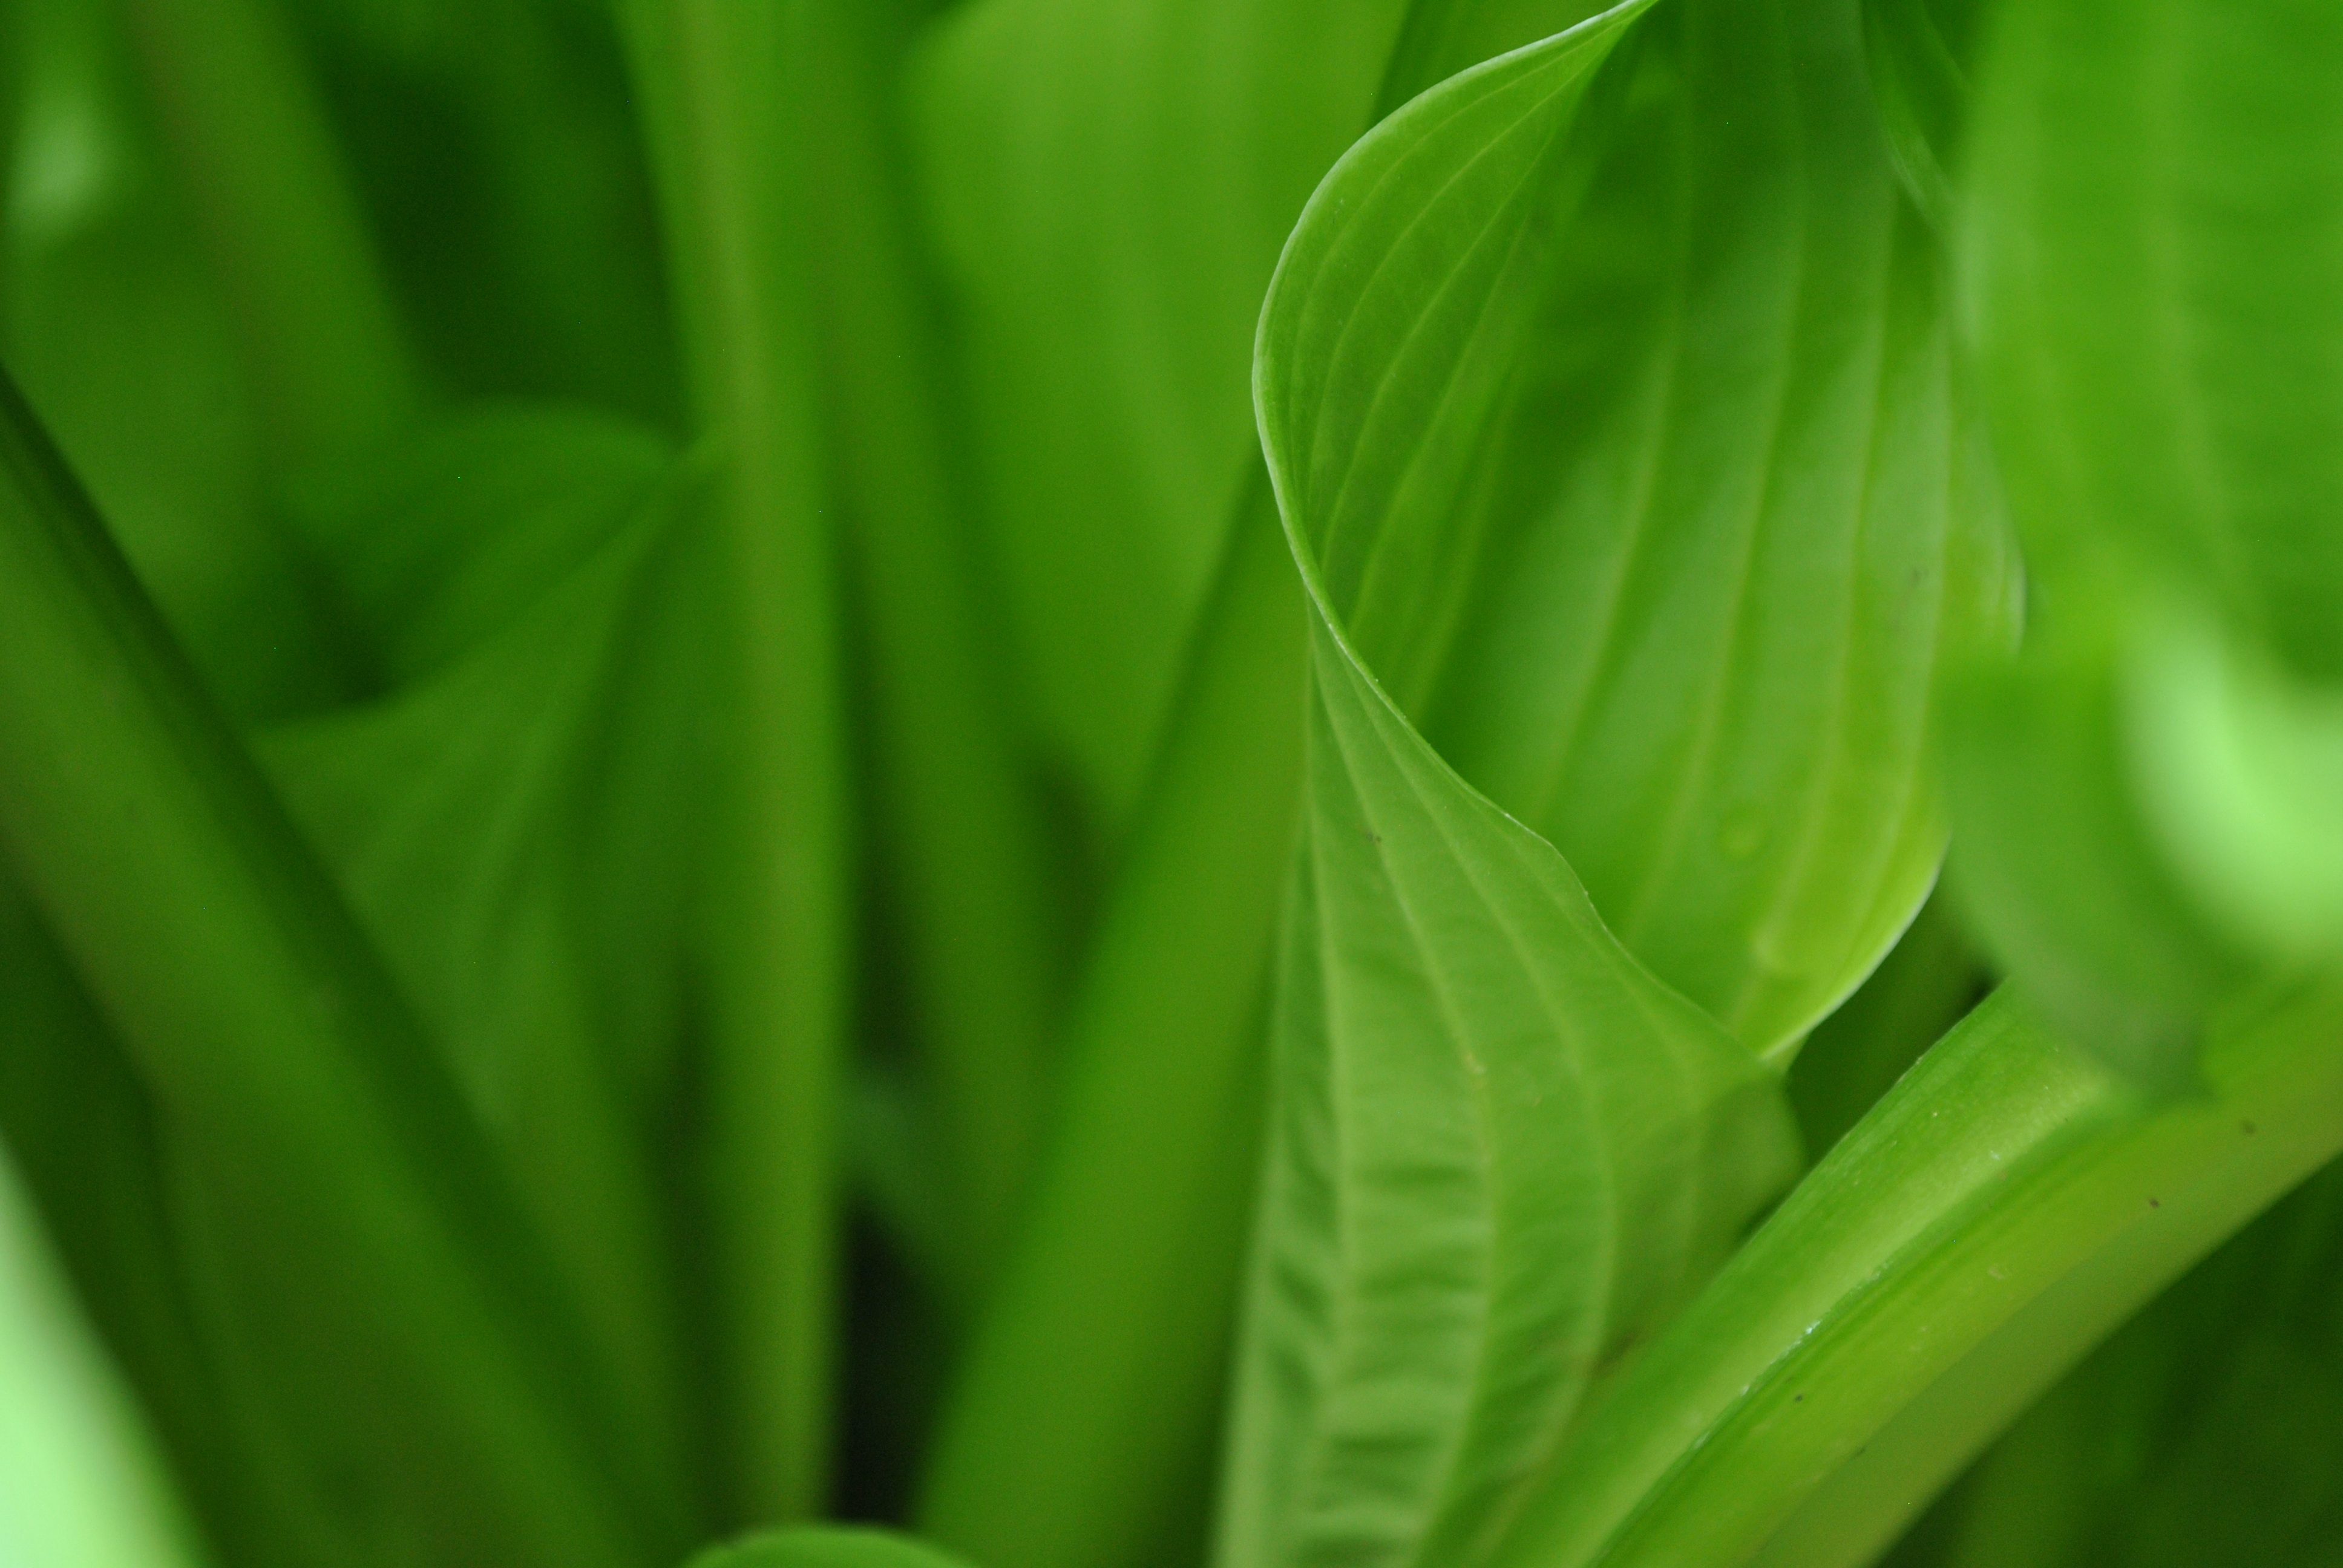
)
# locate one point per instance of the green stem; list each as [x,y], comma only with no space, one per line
[722,85]
[265,177]
[1093,1379]
[2005,1207]
[1856,1055]
[972,850]
[369,1234]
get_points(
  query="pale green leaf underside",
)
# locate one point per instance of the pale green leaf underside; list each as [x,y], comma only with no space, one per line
[1500,1147]
[80,1483]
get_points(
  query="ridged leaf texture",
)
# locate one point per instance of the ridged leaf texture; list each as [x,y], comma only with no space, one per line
[1573,368]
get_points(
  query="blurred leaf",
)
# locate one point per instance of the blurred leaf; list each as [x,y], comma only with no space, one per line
[1108,185]
[512,817]
[1480,1092]
[2153,220]
[81,1485]
[111,320]
[969,867]
[83,1134]
[2058,872]
[353,1248]
[494,143]
[437,541]
[2155,204]
[2240,771]
[1918,58]
[826,1548]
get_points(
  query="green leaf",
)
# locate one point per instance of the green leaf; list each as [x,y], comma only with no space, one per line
[510,816]
[2151,216]
[111,320]
[2057,870]
[2240,768]
[83,1132]
[245,126]
[1079,1425]
[1731,527]
[81,1485]
[725,109]
[2156,193]
[826,1548]
[1724,515]
[968,851]
[354,1248]
[1480,1092]
[1108,185]
[493,143]
[1919,74]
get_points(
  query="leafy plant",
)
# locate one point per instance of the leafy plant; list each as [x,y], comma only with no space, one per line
[1133,782]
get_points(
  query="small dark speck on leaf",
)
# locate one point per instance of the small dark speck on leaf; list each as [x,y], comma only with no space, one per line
[2154,1203]
[1798,1399]
[2247,1128]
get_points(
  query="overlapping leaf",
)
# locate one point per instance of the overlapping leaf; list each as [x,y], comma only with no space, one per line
[511,815]
[1476,1085]
[1657,516]
[77,1124]
[1734,524]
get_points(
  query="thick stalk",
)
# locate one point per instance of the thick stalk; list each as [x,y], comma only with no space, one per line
[722,85]
[372,1232]
[971,851]
[265,180]
[2006,1205]
[1094,1374]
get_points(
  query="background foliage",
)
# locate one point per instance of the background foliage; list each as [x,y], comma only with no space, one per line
[1138,782]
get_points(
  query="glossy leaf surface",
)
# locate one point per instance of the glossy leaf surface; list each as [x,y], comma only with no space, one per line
[1479,1092]
[1733,525]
